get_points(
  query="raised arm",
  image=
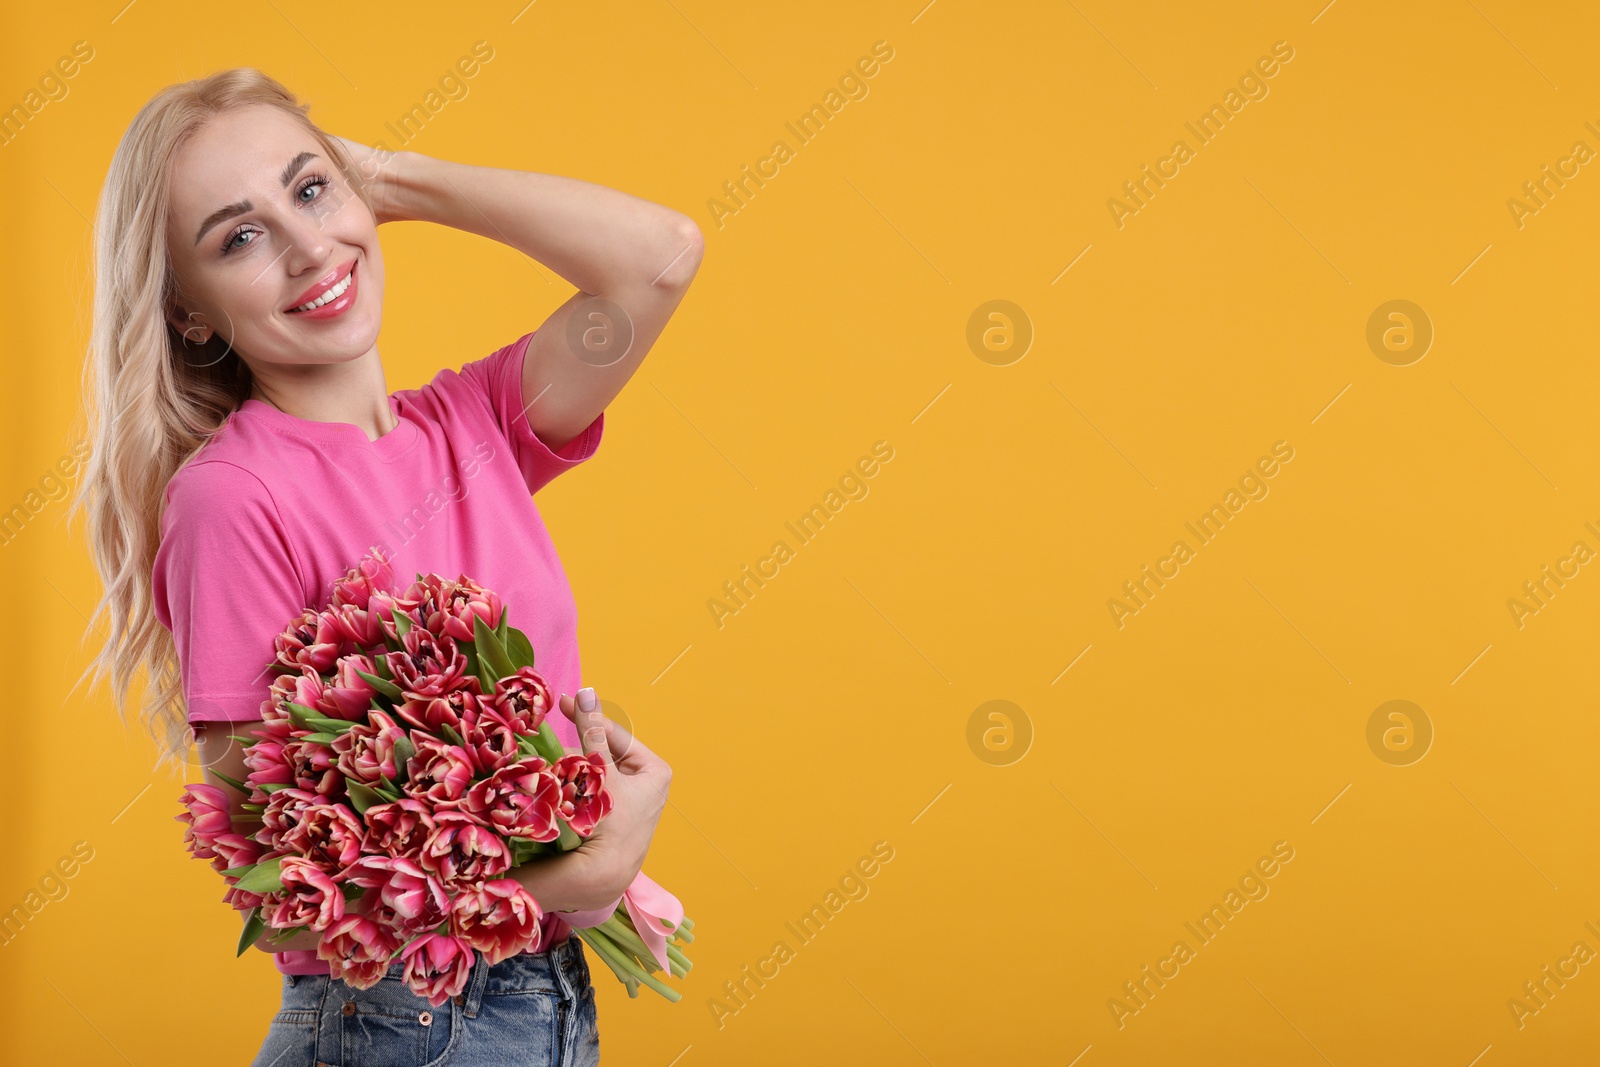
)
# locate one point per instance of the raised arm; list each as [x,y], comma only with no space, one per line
[634,254]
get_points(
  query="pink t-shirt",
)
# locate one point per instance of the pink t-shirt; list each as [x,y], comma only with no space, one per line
[275,508]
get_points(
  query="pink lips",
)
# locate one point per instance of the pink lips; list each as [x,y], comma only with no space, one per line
[328,281]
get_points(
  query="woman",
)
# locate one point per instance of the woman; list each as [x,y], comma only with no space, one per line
[247,453]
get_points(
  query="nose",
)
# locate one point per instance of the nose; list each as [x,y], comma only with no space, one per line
[307,244]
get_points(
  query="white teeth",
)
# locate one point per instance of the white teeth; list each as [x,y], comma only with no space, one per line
[332,294]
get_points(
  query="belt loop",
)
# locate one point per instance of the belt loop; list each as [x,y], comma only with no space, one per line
[475,985]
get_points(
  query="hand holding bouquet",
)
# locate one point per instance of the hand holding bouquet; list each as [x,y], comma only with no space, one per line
[402,768]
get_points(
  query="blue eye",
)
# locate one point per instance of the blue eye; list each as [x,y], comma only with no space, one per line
[313,181]
[228,245]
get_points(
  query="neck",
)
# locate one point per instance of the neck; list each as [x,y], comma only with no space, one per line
[351,392]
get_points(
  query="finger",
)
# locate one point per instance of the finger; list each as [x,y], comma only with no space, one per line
[628,753]
[591,724]
[564,702]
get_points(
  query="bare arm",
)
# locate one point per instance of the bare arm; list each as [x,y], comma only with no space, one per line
[635,254]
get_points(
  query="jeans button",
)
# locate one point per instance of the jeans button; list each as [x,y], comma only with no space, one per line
[425,1018]
[459,998]
[349,1007]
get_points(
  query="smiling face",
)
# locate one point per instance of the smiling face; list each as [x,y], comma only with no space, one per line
[262,220]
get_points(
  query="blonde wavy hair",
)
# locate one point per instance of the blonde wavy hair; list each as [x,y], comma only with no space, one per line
[151,399]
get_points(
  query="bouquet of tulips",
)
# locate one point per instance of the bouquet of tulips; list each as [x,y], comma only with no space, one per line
[403,767]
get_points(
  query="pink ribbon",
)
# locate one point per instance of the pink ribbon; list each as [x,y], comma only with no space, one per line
[649,906]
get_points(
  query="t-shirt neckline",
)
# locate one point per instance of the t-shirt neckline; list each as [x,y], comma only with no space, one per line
[338,433]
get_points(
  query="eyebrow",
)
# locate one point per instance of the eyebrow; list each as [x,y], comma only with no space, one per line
[244,205]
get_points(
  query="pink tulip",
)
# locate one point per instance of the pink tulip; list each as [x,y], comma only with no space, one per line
[361,948]
[285,808]
[463,850]
[398,829]
[311,640]
[585,800]
[449,608]
[409,897]
[491,740]
[243,900]
[314,766]
[365,752]
[439,771]
[428,593]
[265,759]
[373,574]
[309,897]
[499,918]
[437,967]
[348,696]
[430,713]
[234,850]
[385,606]
[303,687]
[328,834]
[358,625]
[520,800]
[207,816]
[524,698]
[427,666]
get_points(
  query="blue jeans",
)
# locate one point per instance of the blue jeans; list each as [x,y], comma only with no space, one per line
[536,1008]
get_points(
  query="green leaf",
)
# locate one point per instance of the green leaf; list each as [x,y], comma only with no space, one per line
[254,927]
[352,891]
[240,786]
[238,872]
[321,738]
[245,740]
[264,878]
[403,751]
[362,796]
[328,725]
[382,663]
[451,735]
[280,936]
[490,648]
[402,624]
[300,715]
[547,744]
[382,685]
[520,649]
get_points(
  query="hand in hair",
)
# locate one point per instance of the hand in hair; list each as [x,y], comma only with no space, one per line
[378,169]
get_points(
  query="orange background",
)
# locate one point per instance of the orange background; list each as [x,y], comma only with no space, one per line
[1039,860]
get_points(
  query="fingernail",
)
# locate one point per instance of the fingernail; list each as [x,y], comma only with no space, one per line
[586,701]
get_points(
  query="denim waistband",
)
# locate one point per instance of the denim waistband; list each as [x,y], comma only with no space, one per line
[562,969]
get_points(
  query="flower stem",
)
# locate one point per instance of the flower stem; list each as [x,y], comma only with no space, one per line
[622,932]
[602,944]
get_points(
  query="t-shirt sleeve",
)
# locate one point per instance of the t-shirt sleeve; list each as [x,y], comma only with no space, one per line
[225,584]
[497,378]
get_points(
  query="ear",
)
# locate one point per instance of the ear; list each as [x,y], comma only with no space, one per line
[181,320]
